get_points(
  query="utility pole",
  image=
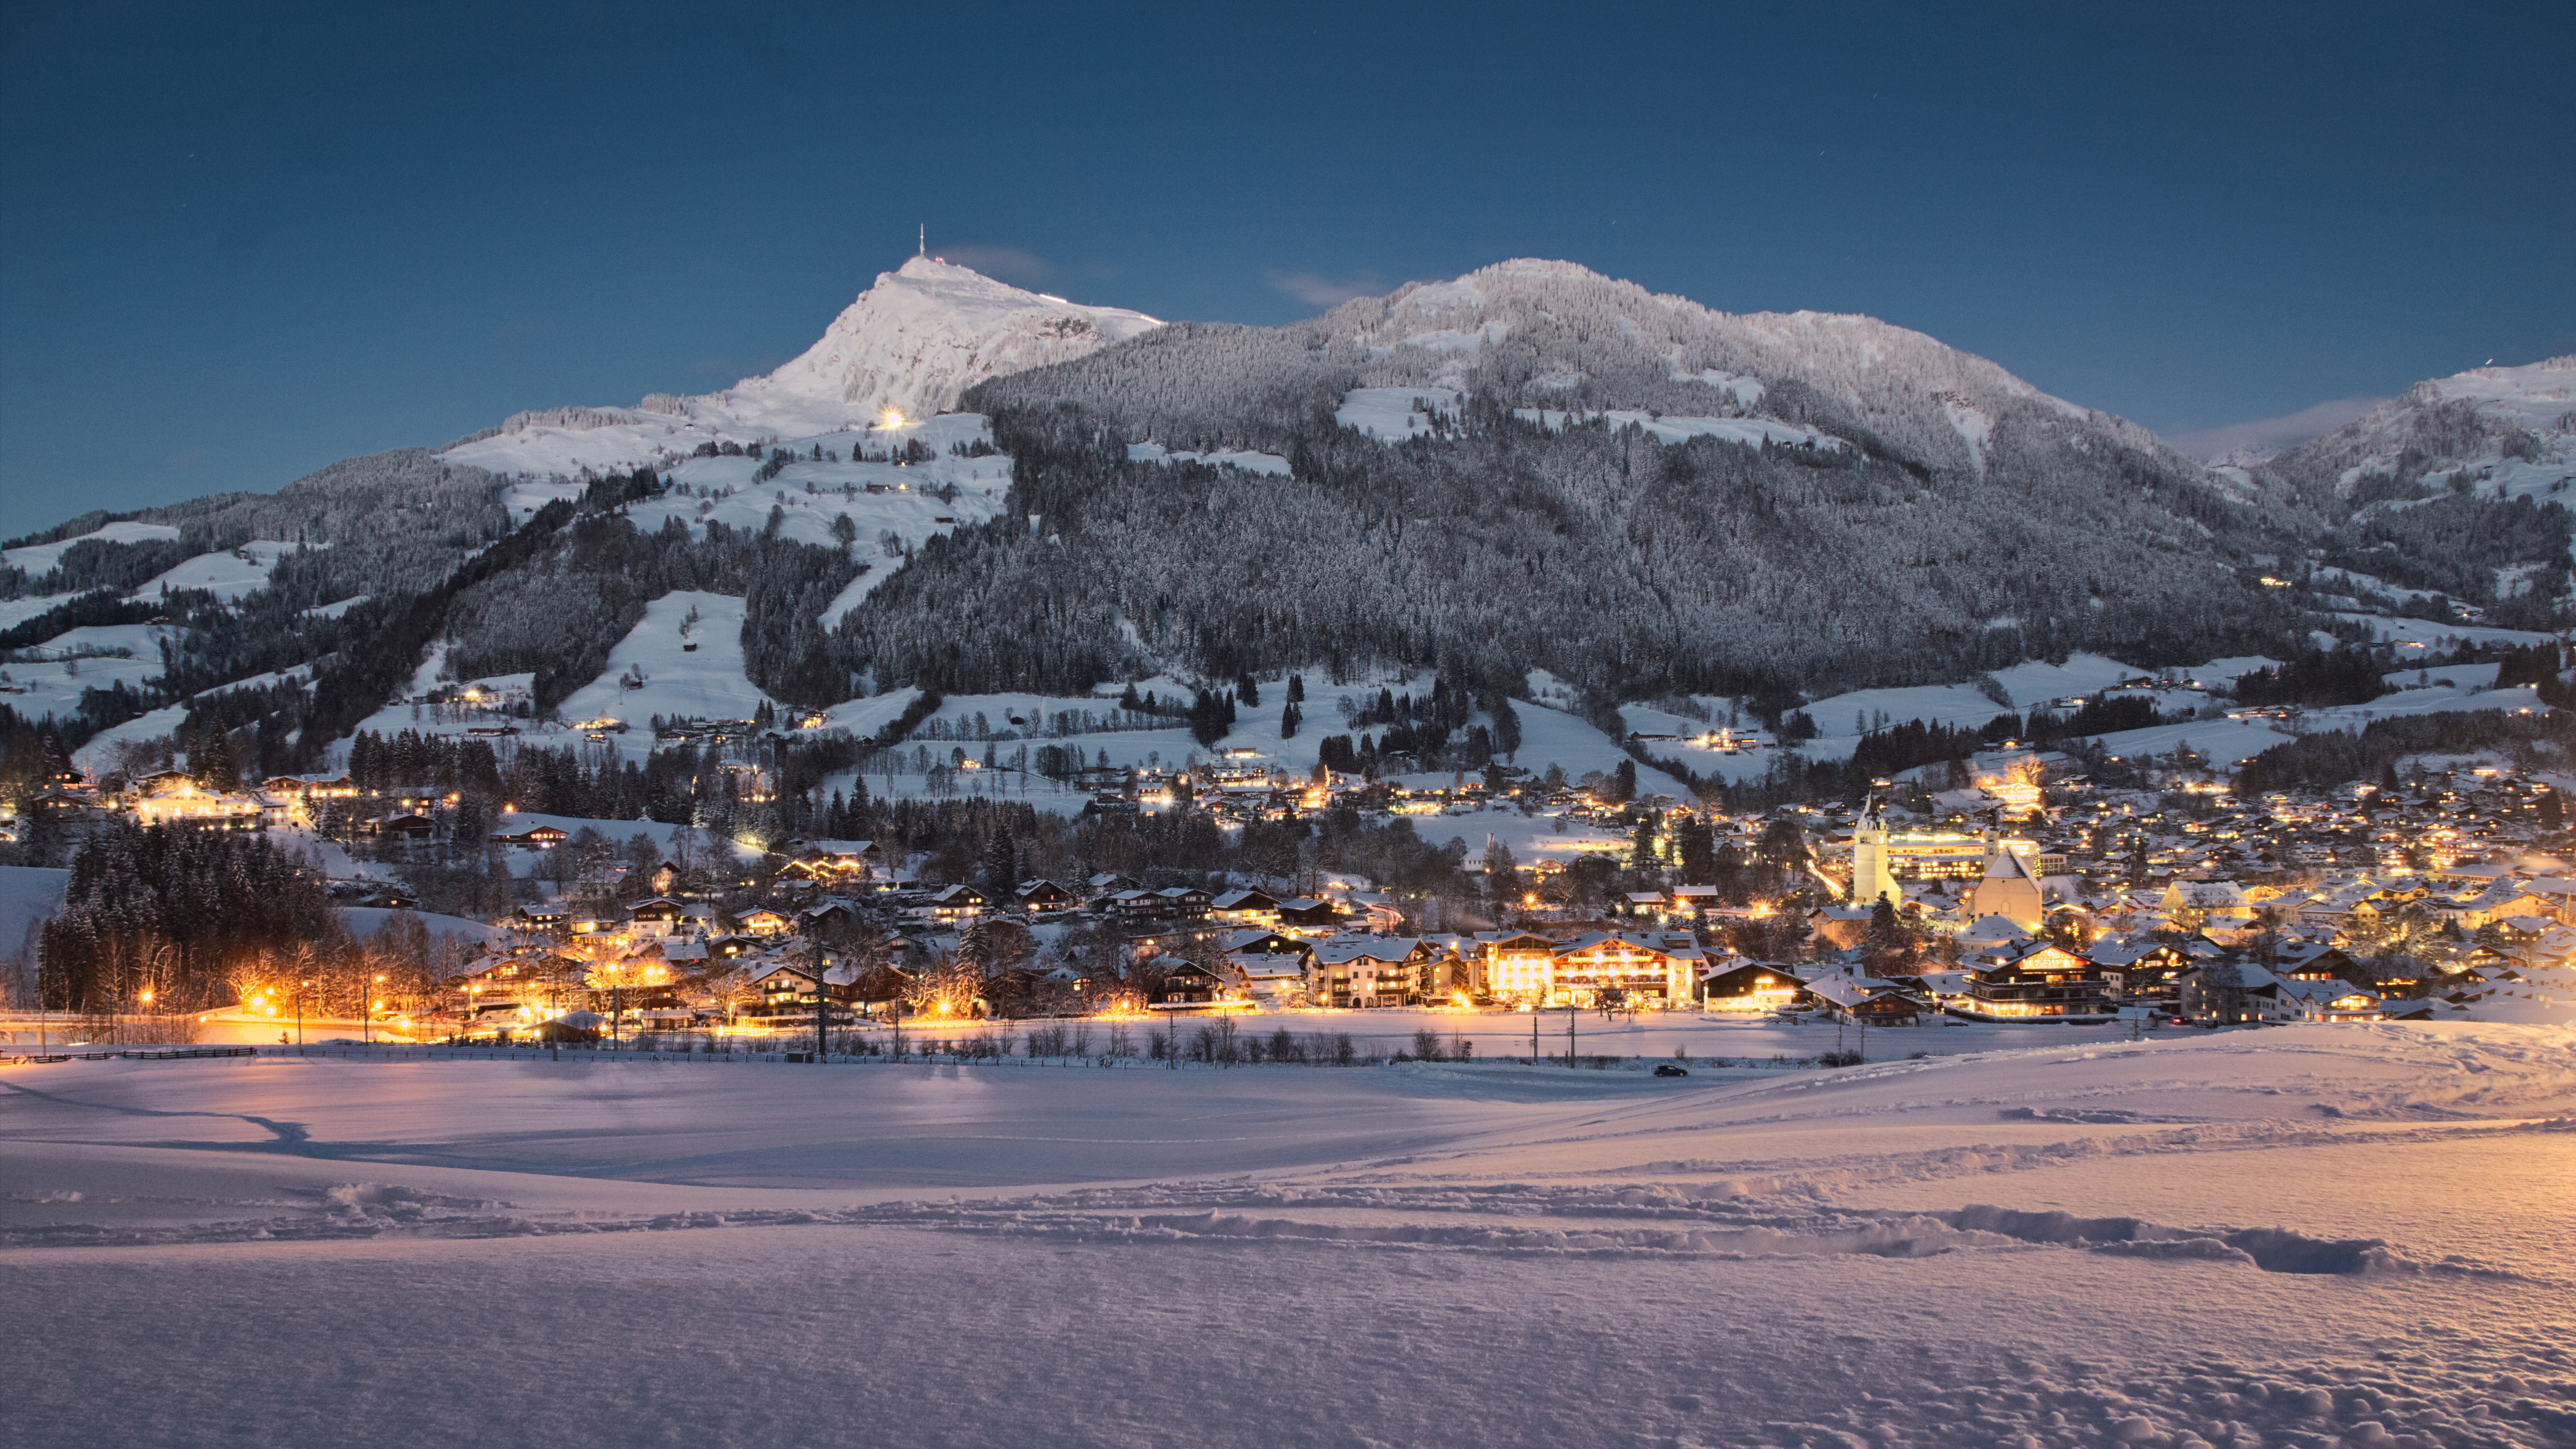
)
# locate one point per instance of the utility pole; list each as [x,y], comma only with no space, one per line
[1569,1033]
[822,1005]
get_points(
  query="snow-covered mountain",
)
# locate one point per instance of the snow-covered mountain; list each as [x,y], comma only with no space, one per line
[1532,466]
[910,343]
[1536,465]
[2498,432]
[1595,340]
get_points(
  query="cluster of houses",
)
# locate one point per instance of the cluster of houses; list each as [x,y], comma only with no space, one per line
[2360,904]
[176,798]
[2203,907]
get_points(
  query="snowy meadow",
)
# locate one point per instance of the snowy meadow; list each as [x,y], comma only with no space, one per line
[2316,1235]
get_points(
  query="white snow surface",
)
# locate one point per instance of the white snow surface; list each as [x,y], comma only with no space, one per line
[2301,1236]
[39,559]
[365,921]
[227,575]
[912,342]
[14,612]
[1388,414]
[2426,633]
[705,683]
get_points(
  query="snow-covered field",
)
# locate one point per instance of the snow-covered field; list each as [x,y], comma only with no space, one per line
[2299,1236]
[2428,634]
[705,682]
[40,559]
[227,576]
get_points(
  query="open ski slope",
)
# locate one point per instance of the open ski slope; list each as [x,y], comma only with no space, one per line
[2305,1236]
[685,661]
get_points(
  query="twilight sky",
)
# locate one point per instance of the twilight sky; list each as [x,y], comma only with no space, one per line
[238,242]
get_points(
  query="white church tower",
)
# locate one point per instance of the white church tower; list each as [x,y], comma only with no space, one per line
[1871,877]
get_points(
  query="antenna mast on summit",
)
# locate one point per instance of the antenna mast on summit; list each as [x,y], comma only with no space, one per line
[923,248]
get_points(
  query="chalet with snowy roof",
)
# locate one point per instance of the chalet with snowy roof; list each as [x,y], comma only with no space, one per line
[854,856]
[1185,984]
[953,904]
[1044,898]
[2328,1000]
[539,918]
[1125,906]
[1305,913]
[2312,961]
[2144,967]
[535,837]
[1360,972]
[1865,1000]
[2496,901]
[657,916]
[789,988]
[2037,981]
[1246,908]
[1737,985]
[2230,993]
[762,921]
[402,825]
[1268,967]
[310,787]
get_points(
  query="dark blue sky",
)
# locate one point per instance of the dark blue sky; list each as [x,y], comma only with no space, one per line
[238,242]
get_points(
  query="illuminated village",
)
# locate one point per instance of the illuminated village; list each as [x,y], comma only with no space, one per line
[2029,894]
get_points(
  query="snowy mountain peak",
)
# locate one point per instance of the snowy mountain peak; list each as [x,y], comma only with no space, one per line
[912,342]
[923,334]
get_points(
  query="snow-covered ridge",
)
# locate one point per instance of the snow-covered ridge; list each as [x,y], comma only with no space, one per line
[911,343]
[1906,387]
[2512,428]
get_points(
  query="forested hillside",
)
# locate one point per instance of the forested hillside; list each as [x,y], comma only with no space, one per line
[1532,467]
[1938,518]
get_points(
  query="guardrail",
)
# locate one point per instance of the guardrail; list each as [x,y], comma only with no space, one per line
[164,1054]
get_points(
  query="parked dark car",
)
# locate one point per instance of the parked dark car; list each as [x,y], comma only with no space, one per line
[1669,1069]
